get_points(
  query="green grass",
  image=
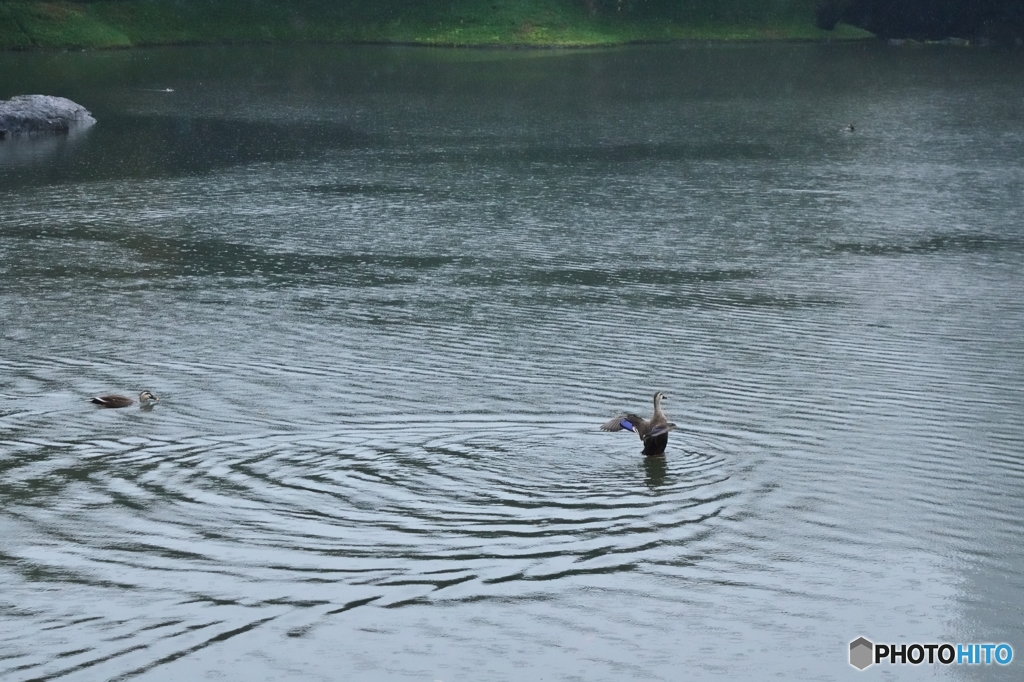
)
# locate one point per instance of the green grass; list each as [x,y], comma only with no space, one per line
[55,24]
[123,23]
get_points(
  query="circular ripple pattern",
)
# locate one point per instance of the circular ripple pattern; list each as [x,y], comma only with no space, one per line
[479,488]
[417,511]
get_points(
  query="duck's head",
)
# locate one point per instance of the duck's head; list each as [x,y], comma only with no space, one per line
[146,396]
[658,397]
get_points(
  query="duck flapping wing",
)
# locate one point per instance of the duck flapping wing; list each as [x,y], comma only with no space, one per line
[658,429]
[625,422]
[642,427]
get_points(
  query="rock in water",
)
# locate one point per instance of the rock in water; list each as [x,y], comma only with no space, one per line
[41,114]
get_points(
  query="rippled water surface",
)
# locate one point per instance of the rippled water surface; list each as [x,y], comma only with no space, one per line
[388,295]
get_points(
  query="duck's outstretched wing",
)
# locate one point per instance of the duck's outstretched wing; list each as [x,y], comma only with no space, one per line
[625,422]
[617,424]
[659,429]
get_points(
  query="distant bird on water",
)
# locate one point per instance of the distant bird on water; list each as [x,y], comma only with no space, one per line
[123,400]
[653,432]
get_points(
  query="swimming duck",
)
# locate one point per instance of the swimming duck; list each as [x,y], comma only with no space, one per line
[653,432]
[123,400]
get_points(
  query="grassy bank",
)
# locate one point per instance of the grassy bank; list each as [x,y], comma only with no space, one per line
[26,24]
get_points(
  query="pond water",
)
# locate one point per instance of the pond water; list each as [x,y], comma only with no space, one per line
[387,296]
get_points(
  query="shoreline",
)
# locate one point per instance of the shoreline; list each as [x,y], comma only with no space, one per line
[512,47]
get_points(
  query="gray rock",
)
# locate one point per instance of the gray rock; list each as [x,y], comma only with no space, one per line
[41,114]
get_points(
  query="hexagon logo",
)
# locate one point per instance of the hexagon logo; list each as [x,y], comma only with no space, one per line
[861,653]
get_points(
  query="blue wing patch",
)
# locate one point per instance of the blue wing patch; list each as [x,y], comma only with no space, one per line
[624,423]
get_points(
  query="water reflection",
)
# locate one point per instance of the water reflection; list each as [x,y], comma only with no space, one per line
[18,151]
[655,469]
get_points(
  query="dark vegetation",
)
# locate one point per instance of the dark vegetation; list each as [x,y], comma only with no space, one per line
[124,23]
[996,21]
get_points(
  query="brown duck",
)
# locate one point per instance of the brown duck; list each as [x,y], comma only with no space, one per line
[653,432]
[123,400]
